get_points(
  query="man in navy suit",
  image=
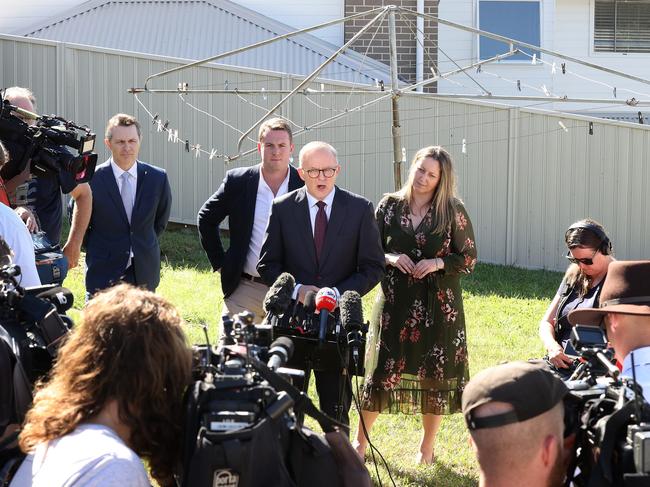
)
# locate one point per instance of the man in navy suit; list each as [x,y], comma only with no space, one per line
[131,205]
[245,197]
[324,236]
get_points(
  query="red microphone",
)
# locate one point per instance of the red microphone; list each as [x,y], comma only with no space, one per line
[326,302]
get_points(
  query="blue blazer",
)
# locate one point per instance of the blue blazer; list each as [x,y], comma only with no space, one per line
[109,236]
[235,199]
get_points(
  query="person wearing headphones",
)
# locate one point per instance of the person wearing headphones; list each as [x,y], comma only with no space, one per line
[589,253]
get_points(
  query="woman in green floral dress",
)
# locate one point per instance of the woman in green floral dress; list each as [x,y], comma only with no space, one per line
[416,355]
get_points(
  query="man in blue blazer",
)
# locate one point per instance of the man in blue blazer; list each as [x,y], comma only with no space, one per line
[245,197]
[131,205]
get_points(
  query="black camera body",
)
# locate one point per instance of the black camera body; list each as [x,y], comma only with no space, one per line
[243,422]
[608,416]
[52,144]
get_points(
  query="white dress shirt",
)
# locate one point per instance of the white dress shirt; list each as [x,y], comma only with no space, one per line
[313,210]
[641,368]
[263,203]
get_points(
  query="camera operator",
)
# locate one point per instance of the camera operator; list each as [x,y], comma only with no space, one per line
[515,416]
[46,192]
[625,309]
[115,394]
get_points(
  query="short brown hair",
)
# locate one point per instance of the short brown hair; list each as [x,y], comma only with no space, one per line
[122,120]
[276,123]
[129,347]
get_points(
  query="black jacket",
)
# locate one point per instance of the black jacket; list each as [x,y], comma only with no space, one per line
[234,199]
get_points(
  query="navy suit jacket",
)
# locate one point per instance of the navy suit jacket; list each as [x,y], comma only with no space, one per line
[235,199]
[109,236]
[352,256]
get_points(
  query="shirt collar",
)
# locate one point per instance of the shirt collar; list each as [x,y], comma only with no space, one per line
[285,183]
[641,356]
[327,200]
[118,171]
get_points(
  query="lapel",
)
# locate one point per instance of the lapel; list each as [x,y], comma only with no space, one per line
[110,184]
[334,224]
[294,179]
[303,224]
[250,197]
[142,176]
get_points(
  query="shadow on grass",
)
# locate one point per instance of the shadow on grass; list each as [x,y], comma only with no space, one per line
[511,282]
[181,247]
[440,475]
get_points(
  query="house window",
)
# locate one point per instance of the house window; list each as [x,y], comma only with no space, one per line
[622,26]
[519,20]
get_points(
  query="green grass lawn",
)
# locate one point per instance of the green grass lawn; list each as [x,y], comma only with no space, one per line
[503,306]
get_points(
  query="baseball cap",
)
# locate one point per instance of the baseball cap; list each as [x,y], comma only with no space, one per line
[529,387]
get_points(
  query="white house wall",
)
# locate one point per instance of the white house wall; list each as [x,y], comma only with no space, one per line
[567,27]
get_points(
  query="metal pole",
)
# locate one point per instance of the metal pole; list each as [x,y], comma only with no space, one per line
[397,137]
[315,73]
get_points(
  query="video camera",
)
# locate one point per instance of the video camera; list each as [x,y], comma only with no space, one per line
[46,144]
[242,419]
[325,338]
[609,417]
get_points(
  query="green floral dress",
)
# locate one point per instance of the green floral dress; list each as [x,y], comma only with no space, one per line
[416,354]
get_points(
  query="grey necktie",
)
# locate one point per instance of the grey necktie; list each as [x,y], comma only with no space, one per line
[127,194]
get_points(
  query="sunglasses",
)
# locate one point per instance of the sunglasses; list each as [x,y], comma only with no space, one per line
[588,261]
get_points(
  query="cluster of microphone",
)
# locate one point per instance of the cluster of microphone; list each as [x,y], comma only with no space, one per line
[284,312]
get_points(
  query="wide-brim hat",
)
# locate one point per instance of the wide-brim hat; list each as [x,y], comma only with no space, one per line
[626,290]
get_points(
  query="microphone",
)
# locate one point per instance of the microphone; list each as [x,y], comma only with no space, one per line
[278,297]
[60,297]
[280,352]
[352,320]
[308,307]
[325,303]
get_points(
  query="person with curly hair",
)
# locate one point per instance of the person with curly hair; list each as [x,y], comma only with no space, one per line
[416,351]
[114,397]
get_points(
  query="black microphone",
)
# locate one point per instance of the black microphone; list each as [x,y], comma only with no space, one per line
[352,320]
[280,352]
[278,298]
[326,303]
[60,297]
[308,307]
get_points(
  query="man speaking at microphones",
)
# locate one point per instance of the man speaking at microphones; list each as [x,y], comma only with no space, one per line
[323,236]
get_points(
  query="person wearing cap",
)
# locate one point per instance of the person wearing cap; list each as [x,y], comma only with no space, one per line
[625,310]
[515,416]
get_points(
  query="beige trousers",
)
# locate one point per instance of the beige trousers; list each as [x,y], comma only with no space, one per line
[249,296]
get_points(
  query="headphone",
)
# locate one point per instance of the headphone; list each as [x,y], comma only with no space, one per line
[605,244]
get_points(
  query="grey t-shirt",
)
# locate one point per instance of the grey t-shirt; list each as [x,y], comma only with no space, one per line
[91,456]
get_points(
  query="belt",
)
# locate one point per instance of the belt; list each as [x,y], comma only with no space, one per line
[248,277]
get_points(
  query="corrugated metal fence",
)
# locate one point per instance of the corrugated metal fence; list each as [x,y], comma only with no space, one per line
[524,174]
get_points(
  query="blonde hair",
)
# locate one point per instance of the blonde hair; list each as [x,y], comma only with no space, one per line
[444,196]
[122,120]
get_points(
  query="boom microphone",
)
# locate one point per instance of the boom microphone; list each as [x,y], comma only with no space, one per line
[352,320]
[325,303]
[280,352]
[278,298]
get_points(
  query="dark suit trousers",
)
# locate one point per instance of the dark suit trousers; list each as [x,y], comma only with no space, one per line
[333,388]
